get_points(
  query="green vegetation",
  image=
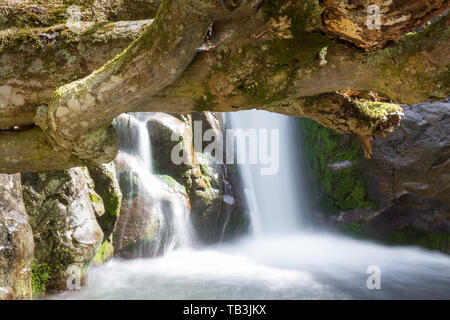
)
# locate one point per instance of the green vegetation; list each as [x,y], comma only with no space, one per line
[269,68]
[336,190]
[354,230]
[414,236]
[105,252]
[40,275]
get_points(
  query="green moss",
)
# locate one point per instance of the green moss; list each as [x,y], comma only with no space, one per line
[376,110]
[265,71]
[354,230]
[408,60]
[104,252]
[95,198]
[172,183]
[414,236]
[40,275]
[336,191]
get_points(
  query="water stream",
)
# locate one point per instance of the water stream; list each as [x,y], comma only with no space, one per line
[168,209]
[282,258]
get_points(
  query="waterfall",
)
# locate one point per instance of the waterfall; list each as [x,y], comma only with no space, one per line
[277,202]
[282,259]
[134,138]
[169,211]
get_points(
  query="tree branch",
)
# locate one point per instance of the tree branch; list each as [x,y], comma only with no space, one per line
[150,63]
[352,20]
[257,58]
[35,62]
[46,13]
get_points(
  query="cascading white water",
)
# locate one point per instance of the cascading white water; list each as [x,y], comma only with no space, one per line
[288,262]
[135,150]
[276,201]
[134,138]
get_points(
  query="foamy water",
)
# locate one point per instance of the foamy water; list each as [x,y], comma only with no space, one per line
[311,266]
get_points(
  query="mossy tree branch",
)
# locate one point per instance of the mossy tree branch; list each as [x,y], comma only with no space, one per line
[46,13]
[36,61]
[268,58]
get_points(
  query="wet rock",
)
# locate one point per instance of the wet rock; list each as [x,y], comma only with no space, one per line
[409,177]
[218,207]
[354,216]
[16,241]
[172,146]
[336,166]
[107,187]
[218,210]
[410,211]
[63,217]
[146,224]
[415,158]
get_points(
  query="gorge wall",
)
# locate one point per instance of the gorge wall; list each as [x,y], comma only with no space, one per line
[400,195]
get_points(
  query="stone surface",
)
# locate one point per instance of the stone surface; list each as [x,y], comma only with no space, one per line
[408,178]
[63,217]
[415,158]
[218,210]
[146,224]
[169,133]
[107,187]
[16,241]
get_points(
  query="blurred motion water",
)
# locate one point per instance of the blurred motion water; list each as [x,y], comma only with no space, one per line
[281,259]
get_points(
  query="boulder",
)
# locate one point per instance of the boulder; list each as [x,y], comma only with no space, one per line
[107,187]
[16,241]
[62,207]
[414,159]
[147,223]
[409,177]
[218,210]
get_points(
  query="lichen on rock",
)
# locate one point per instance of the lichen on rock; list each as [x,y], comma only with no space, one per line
[65,229]
[16,241]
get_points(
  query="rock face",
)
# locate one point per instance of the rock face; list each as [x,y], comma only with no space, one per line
[333,163]
[107,187]
[407,180]
[218,210]
[16,241]
[148,223]
[409,176]
[62,207]
[415,158]
[161,128]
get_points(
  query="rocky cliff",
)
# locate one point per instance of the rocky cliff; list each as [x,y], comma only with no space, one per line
[400,196]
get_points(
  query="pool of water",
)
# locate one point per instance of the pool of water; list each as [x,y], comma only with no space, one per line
[295,266]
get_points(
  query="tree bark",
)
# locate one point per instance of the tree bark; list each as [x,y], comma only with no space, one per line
[354,21]
[81,109]
[45,13]
[270,57]
[35,62]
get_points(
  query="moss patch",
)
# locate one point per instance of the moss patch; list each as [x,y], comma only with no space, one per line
[104,252]
[40,275]
[336,191]
[414,236]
